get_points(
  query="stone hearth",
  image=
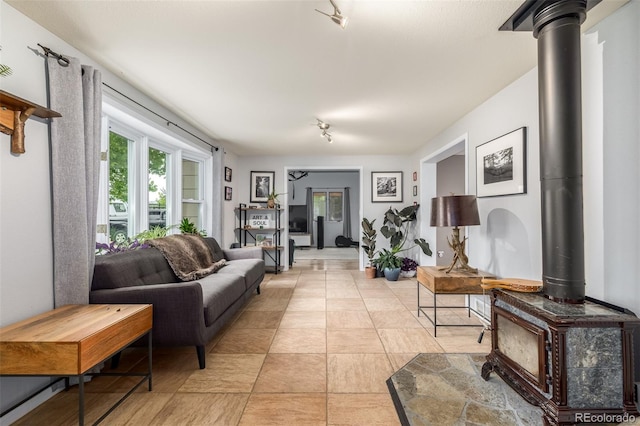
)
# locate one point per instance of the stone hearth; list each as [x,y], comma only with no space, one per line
[439,389]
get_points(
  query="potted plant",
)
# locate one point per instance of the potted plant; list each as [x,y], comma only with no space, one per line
[272,198]
[369,235]
[390,263]
[188,227]
[408,268]
[396,229]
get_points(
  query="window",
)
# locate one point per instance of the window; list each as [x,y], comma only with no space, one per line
[157,188]
[328,204]
[120,149]
[192,201]
[150,178]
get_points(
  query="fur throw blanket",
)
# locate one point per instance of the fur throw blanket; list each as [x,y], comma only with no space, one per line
[188,255]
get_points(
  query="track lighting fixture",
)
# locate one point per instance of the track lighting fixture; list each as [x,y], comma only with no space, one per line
[324,127]
[337,15]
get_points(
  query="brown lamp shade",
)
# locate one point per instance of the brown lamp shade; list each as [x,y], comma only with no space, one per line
[454,210]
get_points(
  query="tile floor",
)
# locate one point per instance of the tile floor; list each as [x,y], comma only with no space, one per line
[315,348]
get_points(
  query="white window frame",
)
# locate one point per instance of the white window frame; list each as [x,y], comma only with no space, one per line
[121,120]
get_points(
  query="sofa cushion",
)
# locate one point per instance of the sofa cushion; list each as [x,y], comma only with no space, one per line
[219,291]
[216,251]
[249,269]
[131,268]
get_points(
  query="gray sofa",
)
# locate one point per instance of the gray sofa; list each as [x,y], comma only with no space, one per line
[184,313]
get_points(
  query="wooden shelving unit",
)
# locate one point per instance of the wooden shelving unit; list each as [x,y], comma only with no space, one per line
[14,112]
[249,235]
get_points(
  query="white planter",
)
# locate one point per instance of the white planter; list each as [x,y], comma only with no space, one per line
[408,274]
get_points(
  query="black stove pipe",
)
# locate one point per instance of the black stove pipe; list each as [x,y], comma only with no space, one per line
[556,25]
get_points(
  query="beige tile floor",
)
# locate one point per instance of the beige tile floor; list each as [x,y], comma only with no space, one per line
[315,348]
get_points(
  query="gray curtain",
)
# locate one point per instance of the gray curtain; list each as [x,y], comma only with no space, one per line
[310,213]
[346,214]
[75,91]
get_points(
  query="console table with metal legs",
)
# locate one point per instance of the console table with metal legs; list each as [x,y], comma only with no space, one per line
[455,282]
[70,341]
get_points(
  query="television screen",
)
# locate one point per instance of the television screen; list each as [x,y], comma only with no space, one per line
[298,219]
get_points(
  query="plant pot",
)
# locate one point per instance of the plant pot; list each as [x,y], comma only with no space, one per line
[271,203]
[370,271]
[392,274]
[408,274]
[379,273]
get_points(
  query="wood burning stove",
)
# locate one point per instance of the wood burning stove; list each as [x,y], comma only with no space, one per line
[572,360]
[565,352]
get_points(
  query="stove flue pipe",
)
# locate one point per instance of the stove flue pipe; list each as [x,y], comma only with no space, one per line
[556,25]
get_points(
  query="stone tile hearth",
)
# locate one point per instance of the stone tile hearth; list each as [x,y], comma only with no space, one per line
[439,389]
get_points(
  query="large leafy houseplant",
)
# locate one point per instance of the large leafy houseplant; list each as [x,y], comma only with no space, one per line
[369,235]
[395,228]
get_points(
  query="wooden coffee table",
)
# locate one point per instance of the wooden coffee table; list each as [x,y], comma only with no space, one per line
[71,340]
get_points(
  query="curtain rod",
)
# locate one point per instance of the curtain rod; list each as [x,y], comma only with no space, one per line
[63,61]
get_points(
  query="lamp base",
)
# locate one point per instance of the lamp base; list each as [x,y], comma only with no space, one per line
[458,254]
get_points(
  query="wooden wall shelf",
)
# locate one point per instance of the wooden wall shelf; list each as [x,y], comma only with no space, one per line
[14,112]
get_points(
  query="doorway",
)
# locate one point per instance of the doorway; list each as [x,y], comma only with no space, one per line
[442,172]
[320,191]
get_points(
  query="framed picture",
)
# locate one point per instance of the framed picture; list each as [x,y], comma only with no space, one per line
[415,190]
[227,174]
[228,192]
[501,165]
[264,240]
[386,187]
[415,176]
[261,186]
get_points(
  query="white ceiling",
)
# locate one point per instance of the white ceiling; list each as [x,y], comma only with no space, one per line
[257,74]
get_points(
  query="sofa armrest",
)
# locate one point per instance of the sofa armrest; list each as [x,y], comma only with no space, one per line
[243,253]
[178,311]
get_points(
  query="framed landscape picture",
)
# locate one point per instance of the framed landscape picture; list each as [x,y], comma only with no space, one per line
[501,166]
[386,187]
[261,186]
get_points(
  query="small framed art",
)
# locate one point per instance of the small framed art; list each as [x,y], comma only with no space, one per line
[501,165]
[227,174]
[261,186]
[386,187]
[228,192]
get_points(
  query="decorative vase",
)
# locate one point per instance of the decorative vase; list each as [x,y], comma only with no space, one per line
[271,203]
[370,271]
[392,274]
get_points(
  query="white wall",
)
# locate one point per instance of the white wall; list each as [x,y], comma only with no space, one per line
[508,242]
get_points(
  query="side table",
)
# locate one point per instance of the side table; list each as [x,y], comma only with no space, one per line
[454,282]
[71,340]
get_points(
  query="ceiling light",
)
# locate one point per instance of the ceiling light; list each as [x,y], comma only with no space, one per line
[324,127]
[337,16]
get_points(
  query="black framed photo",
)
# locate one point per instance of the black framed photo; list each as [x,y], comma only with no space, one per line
[501,165]
[228,193]
[386,187]
[262,184]
[227,174]
[415,190]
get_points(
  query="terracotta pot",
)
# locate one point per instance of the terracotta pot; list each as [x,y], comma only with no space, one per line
[370,271]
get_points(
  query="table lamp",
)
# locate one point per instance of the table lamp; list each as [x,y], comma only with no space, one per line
[456,210]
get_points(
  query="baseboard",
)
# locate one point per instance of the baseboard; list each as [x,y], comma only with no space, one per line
[32,403]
